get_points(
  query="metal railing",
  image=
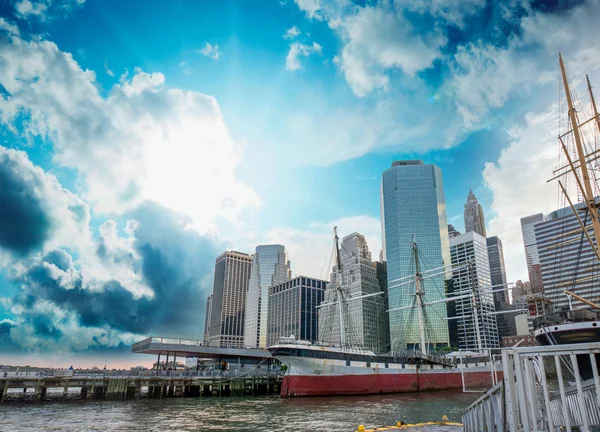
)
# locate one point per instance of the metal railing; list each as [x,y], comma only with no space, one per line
[533,392]
[210,373]
[487,412]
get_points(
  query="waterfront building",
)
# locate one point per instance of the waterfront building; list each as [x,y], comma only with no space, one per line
[270,266]
[505,321]
[471,274]
[293,309]
[474,220]
[232,274]
[528,224]
[207,319]
[452,232]
[567,260]
[366,324]
[521,289]
[414,210]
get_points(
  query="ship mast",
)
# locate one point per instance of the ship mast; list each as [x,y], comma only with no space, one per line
[419,297]
[340,294]
[588,192]
[593,102]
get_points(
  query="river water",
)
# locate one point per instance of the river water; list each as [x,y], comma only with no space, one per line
[265,414]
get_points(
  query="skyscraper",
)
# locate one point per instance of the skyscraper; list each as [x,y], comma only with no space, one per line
[567,261]
[270,267]
[365,318]
[452,232]
[475,330]
[207,319]
[293,309]
[506,322]
[414,208]
[474,220]
[531,251]
[232,273]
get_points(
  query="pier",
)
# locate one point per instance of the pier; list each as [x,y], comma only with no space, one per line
[156,384]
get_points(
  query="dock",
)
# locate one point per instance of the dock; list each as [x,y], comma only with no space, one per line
[155,384]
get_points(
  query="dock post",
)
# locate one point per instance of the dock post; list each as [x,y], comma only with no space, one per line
[84,392]
[162,389]
[5,391]
[93,390]
[252,386]
[36,396]
[66,389]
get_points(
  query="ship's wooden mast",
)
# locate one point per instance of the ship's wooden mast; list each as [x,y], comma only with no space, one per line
[339,292]
[593,102]
[587,190]
[419,298]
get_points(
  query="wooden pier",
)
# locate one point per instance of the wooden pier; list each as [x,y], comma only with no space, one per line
[124,387]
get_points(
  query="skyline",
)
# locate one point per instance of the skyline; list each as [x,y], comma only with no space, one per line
[139,141]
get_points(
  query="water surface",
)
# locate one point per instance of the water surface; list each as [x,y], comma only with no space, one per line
[265,414]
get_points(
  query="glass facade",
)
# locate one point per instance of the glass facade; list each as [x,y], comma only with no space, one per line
[567,260]
[270,267]
[293,309]
[506,322]
[413,206]
[471,249]
[531,251]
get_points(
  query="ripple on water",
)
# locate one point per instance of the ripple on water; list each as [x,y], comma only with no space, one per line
[267,414]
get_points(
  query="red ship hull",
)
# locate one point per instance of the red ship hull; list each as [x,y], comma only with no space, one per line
[328,385]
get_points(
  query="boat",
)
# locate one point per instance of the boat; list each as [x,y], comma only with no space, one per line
[326,370]
[582,325]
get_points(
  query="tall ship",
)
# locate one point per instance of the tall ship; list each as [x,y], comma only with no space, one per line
[581,151]
[348,369]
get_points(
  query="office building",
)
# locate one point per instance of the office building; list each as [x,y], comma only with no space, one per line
[567,260]
[471,274]
[207,319]
[365,318]
[505,321]
[270,266]
[531,251]
[474,220]
[293,309]
[521,289]
[232,274]
[414,210]
[452,232]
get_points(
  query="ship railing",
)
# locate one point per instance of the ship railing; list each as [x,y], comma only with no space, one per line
[536,394]
[487,412]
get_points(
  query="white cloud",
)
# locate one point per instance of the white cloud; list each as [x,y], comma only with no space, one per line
[298,50]
[45,9]
[291,33]
[143,141]
[211,51]
[379,39]
[518,183]
[312,8]
[449,10]
[107,69]
[10,28]
[486,76]
[309,250]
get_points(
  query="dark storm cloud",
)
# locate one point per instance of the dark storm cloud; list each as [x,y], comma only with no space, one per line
[172,260]
[24,225]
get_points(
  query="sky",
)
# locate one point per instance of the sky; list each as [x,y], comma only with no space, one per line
[141,139]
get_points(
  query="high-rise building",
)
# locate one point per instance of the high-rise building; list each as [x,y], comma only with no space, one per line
[471,273]
[232,274]
[567,260]
[531,251]
[452,232]
[521,289]
[293,309]
[414,210]
[365,318]
[207,319]
[474,220]
[270,267]
[506,321]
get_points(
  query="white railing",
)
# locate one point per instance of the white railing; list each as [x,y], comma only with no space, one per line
[487,412]
[533,395]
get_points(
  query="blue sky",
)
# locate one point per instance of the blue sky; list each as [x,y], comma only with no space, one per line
[142,138]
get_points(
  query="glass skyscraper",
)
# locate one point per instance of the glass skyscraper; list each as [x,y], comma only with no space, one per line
[413,206]
[269,267]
